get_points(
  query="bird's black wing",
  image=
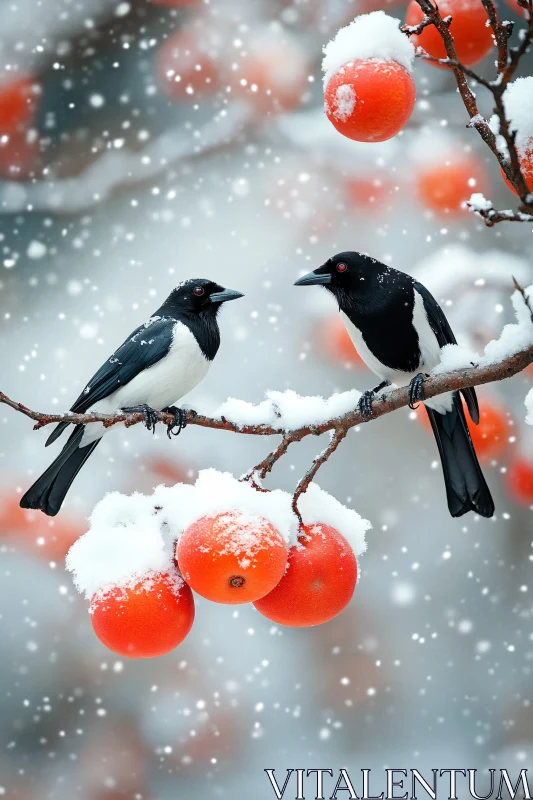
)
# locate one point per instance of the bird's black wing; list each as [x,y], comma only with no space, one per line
[147,345]
[441,328]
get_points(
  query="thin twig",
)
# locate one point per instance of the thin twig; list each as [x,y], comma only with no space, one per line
[303,483]
[508,61]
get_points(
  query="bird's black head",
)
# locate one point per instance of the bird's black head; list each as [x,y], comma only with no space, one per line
[197,296]
[348,276]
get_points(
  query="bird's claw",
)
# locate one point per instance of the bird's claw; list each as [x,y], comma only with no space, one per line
[179,422]
[364,405]
[416,390]
[149,414]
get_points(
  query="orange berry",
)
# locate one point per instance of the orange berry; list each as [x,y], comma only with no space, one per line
[368,193]
[232,557]
[490,437]
[370,100]
[319,581]
[519,481]
[185,71]
[445,187]
[273,76]
[146,620]
[18,100]
[472,37]
[334,341]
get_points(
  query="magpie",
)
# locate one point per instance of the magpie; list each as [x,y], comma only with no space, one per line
[162,360]
[398,329]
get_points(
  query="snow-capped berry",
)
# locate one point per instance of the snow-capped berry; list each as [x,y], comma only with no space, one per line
[232,557]
[145,620]
[369,93]
[319,581]
[472,36]
[370,101]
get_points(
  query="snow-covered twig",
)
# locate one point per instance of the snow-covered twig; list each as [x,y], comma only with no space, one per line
[508,61]
[479,205]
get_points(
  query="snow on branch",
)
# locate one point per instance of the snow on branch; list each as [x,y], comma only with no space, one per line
[294,417]
[499,133]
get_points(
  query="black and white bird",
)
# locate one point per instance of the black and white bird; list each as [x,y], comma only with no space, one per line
[398,329]
[160,362]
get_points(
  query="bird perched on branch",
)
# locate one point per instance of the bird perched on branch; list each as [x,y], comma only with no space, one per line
[157,365]
[398,329]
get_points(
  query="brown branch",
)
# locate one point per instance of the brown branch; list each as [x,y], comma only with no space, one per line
[303,483]
[437,384]
[337,426]
[508,61]
[492,216]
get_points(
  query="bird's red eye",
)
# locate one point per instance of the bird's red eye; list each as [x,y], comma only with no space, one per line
[341,267]
[198,291]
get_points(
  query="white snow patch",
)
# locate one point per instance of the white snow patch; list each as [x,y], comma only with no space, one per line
[528,402]
[133,536]
[288,410]
[375,35]
[345,99]
[478,202]
[519,110]
[513,338]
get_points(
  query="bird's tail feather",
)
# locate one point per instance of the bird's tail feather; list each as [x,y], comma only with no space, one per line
[466,488]
[48,492]
[56,433]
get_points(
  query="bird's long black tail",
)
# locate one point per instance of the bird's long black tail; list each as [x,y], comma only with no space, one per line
[48,492]
[466,487]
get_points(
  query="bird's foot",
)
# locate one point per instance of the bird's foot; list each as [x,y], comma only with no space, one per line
[416,389]
[364,406]
[149,414]
[179,422]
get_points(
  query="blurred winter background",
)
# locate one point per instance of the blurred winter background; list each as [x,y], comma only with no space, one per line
[188,139]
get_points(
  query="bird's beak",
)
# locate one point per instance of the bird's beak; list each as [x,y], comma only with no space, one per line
[223,297]
[314,279]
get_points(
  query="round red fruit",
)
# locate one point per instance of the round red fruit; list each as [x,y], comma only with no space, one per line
[445,187]
[18,100]
[146,620]
[185,71]
[370,101]
[232,557]
[491,436]
[319,581]
[520,481]
[272,76]
[472,37]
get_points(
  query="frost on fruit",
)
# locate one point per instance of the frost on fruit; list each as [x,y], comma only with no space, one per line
[345,101]
[131,536]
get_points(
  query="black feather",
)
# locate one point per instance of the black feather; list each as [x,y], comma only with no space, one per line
[466,488]
[48,492]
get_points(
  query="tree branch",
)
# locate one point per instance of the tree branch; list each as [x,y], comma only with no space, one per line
[508,61]
[475,375]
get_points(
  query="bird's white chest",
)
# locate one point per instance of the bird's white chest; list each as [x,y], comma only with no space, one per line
[167,381]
